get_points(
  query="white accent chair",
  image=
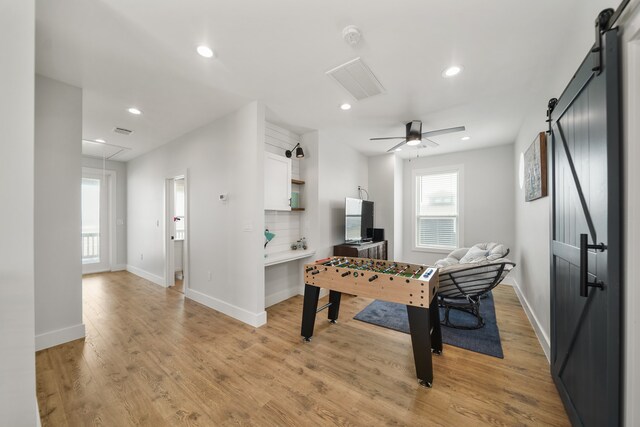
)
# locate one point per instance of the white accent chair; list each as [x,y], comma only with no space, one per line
[467,275]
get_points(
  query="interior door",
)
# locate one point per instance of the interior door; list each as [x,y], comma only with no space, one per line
[95,223]
[586,240]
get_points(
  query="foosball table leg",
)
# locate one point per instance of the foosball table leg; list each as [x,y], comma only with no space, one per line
[421,342]
[436,334]
[309,308]
[334,308]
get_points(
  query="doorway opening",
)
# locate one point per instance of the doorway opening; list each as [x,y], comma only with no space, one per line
[176,221]
[97,220]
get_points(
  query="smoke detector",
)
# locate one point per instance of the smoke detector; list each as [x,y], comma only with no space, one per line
[352,35]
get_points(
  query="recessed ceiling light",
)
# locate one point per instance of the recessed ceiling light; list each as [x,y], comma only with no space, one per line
[100,140]
[398,149]
[134,110]
[452,71]
[345,107]
[205,51]
[465,138]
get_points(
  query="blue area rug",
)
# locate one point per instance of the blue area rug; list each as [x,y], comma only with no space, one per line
[485,340]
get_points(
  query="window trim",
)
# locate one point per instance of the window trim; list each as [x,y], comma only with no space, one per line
[414,200]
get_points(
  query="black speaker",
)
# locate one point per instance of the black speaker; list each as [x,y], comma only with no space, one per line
[378,234]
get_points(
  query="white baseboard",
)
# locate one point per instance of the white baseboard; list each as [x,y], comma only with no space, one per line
[146,275]
[280,296]
[253,319]
[37,414]
[119,267]
[545,343]
[509,281]
[323,292]
[59,336]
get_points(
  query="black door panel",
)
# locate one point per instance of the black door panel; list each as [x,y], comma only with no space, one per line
[585,330]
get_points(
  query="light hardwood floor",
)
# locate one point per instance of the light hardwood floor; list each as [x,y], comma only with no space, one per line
[179,286]
[153,358]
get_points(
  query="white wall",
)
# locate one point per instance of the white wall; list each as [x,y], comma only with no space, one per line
[532,218]
[381,190]
[310,175]
[18,404]
[120,170]
[631,228]
[58,172]
[340,170]
[224,239]
[398,200]
[487,204]
[386,189]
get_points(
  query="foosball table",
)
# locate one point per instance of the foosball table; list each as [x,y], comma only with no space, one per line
[414,285]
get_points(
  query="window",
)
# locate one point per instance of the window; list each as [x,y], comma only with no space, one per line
[437,209]
[90,220]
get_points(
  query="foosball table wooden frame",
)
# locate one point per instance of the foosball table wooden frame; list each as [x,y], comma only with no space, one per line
[414,285]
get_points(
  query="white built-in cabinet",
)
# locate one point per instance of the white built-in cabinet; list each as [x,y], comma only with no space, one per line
[277,182]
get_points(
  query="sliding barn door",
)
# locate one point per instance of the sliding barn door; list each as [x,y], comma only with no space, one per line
[586,213]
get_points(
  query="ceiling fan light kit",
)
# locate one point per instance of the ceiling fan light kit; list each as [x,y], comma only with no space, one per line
[414,135]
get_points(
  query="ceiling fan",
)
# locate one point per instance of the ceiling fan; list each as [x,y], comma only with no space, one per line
[415,136]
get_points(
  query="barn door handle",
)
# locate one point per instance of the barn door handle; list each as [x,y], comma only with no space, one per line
[584,265]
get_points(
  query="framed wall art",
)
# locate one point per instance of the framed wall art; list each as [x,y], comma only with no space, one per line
[535,169]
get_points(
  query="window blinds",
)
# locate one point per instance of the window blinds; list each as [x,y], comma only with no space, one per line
[437,210]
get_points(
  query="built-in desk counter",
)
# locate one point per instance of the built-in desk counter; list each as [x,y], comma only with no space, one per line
[280,257]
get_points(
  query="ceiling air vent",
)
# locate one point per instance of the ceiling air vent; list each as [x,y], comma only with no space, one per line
[357,79]
[123,131]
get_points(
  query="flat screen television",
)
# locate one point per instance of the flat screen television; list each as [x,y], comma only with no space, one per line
[358,220]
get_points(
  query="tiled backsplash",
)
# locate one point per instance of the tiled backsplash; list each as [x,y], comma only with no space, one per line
[286,227]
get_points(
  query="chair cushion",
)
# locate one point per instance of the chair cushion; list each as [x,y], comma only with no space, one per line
[452,259]
[481,252]
[475,254]
[484,252]
[496,250]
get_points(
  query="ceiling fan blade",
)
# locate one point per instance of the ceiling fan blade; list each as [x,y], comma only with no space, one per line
[396,146]
[444,131]
[388,137]
[430,143]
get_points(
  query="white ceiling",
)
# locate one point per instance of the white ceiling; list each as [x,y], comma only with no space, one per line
[142,53]
[101,150]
